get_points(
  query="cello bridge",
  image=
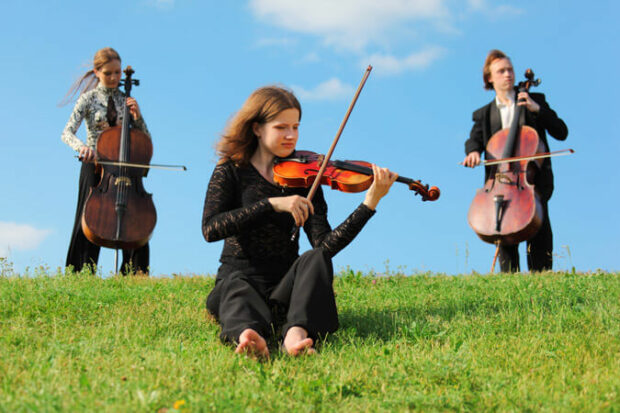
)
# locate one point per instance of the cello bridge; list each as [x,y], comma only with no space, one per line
[122,180]
[503,178]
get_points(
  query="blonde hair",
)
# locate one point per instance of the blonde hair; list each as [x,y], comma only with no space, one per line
[89,81]
[238,142]
[486,69]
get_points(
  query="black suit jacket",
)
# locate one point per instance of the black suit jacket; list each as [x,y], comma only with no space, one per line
[487,121]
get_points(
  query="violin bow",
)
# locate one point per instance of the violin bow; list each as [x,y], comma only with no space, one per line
[489,162]
[319,176]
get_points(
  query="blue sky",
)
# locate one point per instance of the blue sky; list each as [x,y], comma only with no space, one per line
[198,60]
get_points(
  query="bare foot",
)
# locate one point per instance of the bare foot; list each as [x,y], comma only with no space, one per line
[297,342]
[252,343]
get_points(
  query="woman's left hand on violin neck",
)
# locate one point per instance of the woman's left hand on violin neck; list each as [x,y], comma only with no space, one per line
[383,179]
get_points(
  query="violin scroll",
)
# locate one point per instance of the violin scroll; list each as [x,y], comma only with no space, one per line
[428,194]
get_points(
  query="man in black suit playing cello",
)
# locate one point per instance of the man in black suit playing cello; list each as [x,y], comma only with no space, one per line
[498,75]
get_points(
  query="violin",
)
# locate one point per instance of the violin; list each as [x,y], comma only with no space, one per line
[301,169]
[508,210]
[118,212]
[309,169]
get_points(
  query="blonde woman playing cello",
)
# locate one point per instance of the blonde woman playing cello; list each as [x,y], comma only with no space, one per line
[100,104]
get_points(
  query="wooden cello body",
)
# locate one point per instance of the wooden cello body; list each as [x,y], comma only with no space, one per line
[118,212]
[507,210]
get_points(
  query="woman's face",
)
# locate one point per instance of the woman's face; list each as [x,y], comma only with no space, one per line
[279,135]
[110,74]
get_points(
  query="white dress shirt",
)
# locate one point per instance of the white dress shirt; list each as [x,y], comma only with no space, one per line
[506,111]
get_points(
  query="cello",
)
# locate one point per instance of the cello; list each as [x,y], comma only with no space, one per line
[118,212]
[508,210]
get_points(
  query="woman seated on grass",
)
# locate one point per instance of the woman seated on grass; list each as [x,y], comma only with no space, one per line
[263,287]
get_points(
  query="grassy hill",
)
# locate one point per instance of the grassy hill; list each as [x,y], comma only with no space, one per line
[522,342]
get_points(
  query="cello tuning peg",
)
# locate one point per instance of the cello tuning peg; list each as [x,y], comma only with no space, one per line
[529,74]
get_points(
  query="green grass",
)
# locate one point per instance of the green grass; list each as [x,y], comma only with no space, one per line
[542,342]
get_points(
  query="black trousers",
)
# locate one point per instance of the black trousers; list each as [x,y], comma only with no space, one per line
[83,252]
[304,297]
[539,249]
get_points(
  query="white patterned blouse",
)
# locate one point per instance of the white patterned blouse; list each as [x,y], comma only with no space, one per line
[92,106]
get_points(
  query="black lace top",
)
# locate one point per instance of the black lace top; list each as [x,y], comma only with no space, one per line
[256,236]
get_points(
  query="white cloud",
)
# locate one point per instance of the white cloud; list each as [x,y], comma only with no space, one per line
[351,24]
[389,65]
[498,11]
[332,89]
[311,57]
[19,237]
[505,9]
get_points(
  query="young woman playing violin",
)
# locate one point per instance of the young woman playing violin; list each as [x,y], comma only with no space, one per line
[100,104]
[263,286]
[498,75]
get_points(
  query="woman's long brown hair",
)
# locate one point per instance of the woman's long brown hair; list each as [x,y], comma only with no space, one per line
[238,142]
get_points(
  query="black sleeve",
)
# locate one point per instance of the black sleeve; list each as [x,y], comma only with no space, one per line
[320,233]
[549,119]
[222,216]
[476,140]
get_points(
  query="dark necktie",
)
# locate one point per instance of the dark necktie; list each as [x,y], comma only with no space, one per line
[111,112]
